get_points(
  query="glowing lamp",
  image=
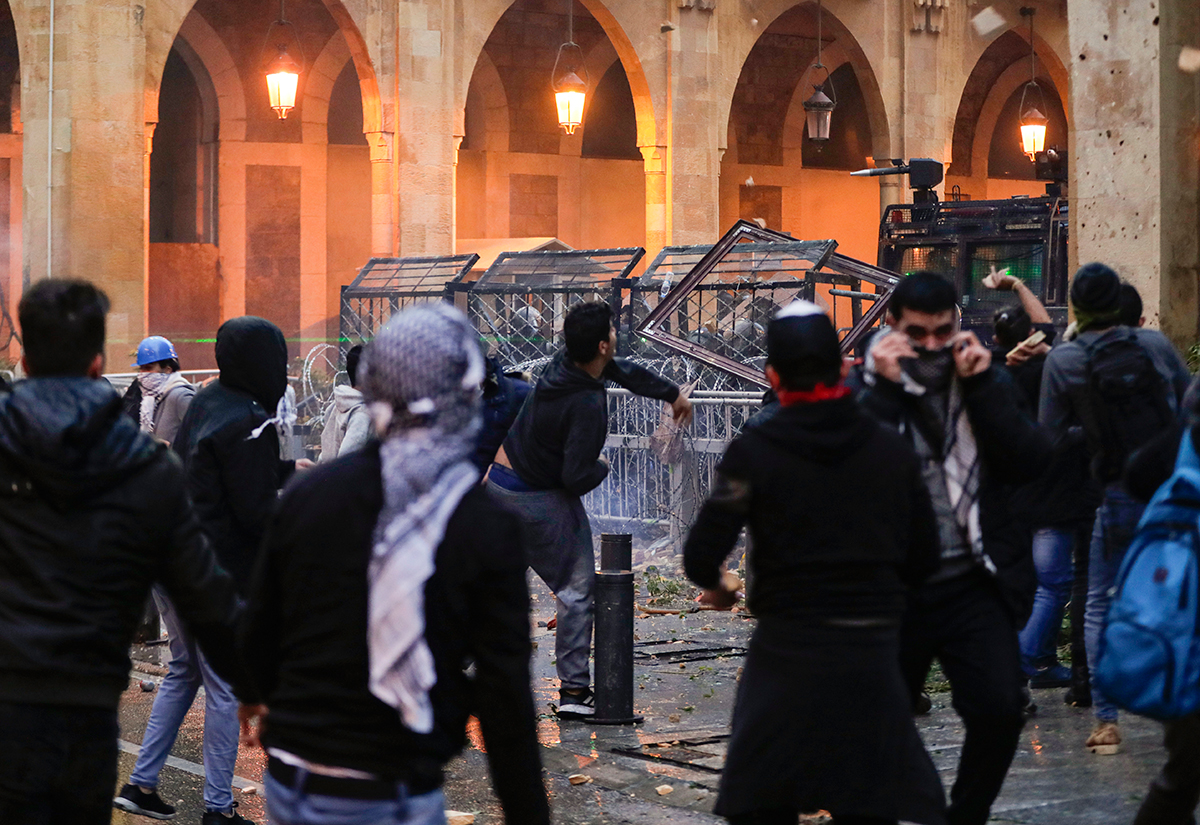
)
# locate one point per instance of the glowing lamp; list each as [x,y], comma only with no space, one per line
[283,77]
[1033,132]
[570,95]
[818,111]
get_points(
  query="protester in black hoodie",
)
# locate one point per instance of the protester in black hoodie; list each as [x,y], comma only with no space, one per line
[230,451]
[232,459]
[822,720]
[92,512]
[550,458]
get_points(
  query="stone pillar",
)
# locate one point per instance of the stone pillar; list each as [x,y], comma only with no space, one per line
[151,125]
[425,127]
[658,216]
[1135,154]
[693,170]
[383,225]
[90,214]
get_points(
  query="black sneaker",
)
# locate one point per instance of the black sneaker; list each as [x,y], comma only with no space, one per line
[134,800]
[218,818]
[576,705]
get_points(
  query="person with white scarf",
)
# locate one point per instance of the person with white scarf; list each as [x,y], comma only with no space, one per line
[383,576]
[165,393]
[976,439]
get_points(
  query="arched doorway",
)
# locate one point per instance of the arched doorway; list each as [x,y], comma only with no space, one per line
[987,162]
[518,175]
[771,172]
[10,180]
[248,213]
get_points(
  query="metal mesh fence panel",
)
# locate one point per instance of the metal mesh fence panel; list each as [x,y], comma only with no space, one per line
[655,497]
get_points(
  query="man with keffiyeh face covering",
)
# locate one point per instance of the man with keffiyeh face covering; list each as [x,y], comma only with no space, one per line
[976,439]
[384,574]
[828,584]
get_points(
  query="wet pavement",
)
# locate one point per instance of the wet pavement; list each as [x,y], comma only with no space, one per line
[686,670]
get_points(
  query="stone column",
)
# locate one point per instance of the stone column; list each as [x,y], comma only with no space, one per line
[657,214]
[425,127]
[1135,153]
[693,165]
[95,217]
[383,224]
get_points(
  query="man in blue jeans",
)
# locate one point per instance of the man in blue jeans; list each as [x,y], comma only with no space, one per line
[1079,390]
[230,453]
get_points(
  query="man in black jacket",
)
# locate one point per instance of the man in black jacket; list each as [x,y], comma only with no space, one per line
[386,572]
[551,458]
[230,451]
[92,512]
[823,718]
[966,420]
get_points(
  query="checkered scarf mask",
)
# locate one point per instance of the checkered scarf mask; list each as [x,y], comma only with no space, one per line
[422,378]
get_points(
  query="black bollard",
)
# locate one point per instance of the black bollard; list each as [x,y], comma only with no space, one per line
[616,552]
[614,632]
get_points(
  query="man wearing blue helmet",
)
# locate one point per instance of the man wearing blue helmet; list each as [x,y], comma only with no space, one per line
[165,393]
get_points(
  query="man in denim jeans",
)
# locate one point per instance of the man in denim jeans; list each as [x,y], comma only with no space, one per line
[1069,399]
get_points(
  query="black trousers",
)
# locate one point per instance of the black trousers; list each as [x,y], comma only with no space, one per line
[58,764]
[965,625]
[1176,791]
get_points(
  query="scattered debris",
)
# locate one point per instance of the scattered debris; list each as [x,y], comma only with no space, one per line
[663,790]
[579,779]
[250,790]
[147,686]
[989,22]
[1189,59]
[750,181]
[673,718]
[459,818]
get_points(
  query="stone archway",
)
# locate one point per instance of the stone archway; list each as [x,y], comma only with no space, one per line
[834,15]
[771,172]
[517,174]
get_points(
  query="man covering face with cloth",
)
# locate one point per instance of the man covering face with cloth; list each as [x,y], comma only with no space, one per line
[967,422]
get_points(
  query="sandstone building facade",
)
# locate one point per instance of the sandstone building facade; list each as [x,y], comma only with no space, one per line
[138,148]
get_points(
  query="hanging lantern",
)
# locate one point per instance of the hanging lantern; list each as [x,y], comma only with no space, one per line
[283,77]
[283,70]
[818,109]
[1033,122]
[1033,132]
[570,90]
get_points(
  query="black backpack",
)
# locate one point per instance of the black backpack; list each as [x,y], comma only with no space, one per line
[1124,403]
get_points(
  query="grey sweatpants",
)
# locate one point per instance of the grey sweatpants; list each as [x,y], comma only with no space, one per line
[558,540]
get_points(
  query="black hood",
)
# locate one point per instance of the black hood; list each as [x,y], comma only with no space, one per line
[69,437]
[252,356]
[824,431]
[562,377]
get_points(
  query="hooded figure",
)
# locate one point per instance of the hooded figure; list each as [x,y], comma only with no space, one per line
[359,653]
[229,451]
[829,582]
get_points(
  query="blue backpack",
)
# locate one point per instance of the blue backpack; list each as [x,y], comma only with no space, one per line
[1150,651]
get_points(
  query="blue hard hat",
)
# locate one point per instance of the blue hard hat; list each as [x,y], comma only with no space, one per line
[155,348]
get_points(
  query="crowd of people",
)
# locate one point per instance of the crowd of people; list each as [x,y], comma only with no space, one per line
[348,616]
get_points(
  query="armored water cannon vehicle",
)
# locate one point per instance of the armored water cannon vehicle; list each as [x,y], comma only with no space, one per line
[967,240]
